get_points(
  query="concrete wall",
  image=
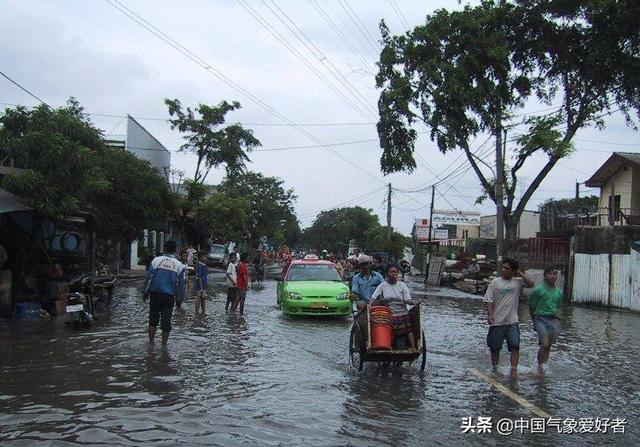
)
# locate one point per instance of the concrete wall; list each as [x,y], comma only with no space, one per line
[146,147]
[488,227]
[473,231]
[528,226]
[611,240]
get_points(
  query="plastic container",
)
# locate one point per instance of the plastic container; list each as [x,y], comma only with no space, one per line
[28,311]
[381,328]
[381,336]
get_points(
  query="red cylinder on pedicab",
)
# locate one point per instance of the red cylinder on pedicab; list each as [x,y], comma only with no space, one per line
[381,328]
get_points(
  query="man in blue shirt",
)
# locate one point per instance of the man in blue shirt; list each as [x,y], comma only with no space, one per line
[364,283]
[163,284]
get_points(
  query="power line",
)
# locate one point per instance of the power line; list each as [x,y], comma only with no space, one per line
[361,198]
[398,11]
[219,75]
[339,32]
[359,26]
[166,120]
[280,38]
[322,58]
[23,88]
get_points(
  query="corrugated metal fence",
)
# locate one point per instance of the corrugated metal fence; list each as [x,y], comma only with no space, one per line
[608,280]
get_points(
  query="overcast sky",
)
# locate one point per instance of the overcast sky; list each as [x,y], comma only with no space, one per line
[113,66]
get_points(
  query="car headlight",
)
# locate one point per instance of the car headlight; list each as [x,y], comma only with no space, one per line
[342,296]
[295,296]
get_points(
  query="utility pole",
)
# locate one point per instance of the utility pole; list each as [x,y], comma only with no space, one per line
[426,272]
[577,192]
[389,230]
[499,189]
[433,195]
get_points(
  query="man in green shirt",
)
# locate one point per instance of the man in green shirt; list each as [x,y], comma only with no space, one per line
[544,307]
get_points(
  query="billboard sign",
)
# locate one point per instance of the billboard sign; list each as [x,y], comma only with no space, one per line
[422,231]
[449,217]
[441,233]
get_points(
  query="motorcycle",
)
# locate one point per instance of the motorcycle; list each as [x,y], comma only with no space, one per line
[80,303]
[103,288]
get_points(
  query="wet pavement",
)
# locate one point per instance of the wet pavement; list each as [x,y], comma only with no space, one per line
[269,380]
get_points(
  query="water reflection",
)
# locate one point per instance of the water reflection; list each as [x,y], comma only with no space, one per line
[270,380]
[383,405]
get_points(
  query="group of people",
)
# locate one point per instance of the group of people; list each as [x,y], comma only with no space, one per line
[502,298]
[368,286]
[237,276]
[166,284]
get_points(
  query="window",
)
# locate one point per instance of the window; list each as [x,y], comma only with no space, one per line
[307,272]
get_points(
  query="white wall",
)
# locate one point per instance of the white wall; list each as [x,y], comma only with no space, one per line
[146,147]
[528,226]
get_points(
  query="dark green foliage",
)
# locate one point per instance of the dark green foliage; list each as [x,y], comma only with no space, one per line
[570,206]
[212,144]
[68,168]
[263,206]
[469,72]
[333,229]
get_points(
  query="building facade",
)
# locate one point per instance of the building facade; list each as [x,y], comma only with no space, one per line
[528,226]
[619,182]
[145,146]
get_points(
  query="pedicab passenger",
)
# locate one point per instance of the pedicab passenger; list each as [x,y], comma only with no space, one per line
[364,283]
[395,294]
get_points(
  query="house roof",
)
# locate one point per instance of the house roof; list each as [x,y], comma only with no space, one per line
[10,202]
[612,166]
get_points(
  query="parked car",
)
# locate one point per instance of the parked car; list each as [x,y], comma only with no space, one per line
[219,255]
[313,287]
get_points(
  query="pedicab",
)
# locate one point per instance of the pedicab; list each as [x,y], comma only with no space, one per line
[362,350]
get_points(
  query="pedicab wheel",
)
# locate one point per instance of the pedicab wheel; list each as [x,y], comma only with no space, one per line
[423,362]
[355,349]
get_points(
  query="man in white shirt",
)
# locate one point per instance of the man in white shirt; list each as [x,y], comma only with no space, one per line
[232,281]
[502,298]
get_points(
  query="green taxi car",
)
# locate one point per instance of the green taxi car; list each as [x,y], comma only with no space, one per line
[311,287]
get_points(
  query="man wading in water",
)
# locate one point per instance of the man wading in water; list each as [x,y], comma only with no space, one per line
[502,297]
[164,283]
[544,307]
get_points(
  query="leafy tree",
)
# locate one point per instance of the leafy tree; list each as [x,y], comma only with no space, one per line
[212,144]
[68,168]
[468,72]
[136,197]
[59,148]
[333,229]
[226,216]
[570,206]
[270,211]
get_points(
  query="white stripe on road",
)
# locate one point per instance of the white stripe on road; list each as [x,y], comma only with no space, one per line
[507,392]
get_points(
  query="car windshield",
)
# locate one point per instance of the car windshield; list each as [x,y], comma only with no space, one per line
[310,272]
[217,250]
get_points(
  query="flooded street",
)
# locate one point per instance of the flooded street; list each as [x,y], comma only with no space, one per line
[269,380]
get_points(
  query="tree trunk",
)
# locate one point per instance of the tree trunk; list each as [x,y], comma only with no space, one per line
[511,236]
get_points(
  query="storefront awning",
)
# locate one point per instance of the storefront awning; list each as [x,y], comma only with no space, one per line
[10,203]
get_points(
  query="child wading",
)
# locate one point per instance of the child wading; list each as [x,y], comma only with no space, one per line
[232,286]
[243,283]
[201,282]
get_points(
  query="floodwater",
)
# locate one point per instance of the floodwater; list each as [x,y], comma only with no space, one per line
[263,379]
